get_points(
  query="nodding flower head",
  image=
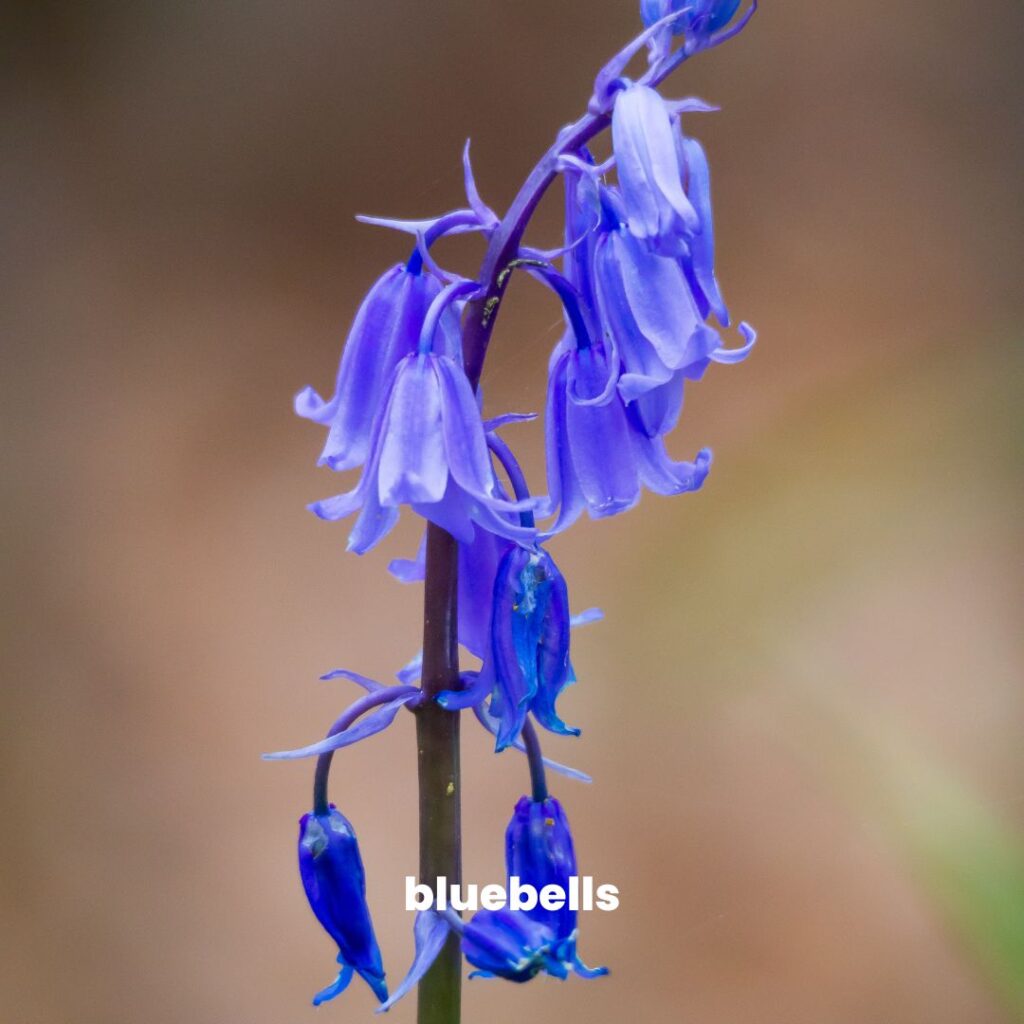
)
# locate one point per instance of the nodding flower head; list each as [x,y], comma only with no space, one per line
[658,211]
[385,330]
[696,17]
[529,642]
[428,450]
[539,852]
[653,322]
[509,944]
[598,455]
[335,883]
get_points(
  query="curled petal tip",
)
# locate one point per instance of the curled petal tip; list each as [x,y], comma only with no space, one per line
[430,932]
[584,971]
[336,987]
[586,616]
[308,404]
[737,355]
[692,105]
[487,217]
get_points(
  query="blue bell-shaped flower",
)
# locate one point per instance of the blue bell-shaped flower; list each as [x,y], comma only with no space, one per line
[335,883]
[530,622]
[698,17]
[386,328]
[509,944]
[539,852]
[658,211]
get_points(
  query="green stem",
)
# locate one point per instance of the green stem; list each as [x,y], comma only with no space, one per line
[437,736]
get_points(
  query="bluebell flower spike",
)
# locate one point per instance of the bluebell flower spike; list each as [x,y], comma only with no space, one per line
[637,284]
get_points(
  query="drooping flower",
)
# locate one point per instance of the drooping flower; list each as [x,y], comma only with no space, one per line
[539,852]
[428,450]
[332,875]
[597,457]
[699,260]
[526,665]
[499,943]
[698,17]
[652,321]
[509,944]
[386,330]
[658,210]
[529,642]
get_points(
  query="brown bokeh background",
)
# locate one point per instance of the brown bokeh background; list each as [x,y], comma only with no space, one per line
[803,713]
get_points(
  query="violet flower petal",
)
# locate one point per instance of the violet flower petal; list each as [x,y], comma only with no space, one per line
[367,726]
[412,462]
[430,933]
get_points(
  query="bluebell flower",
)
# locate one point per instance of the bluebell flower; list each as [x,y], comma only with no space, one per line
[539,852]
[499,943]
[657,208]
[335,884]
[509,944]
[427,450]
[652,320]
[699,17]
[386,330]
[597,456]
[530,624]
[529,655]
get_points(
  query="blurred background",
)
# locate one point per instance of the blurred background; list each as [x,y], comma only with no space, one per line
[803,713]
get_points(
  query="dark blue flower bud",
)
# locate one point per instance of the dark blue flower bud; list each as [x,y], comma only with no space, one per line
[539,852]
[700,18]
[530,642]
[335,883]
[509,944]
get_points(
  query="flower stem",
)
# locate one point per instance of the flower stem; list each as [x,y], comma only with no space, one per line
[538,777]
[321,776]
[437,737]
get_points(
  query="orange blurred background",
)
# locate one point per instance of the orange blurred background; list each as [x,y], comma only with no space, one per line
[803,712]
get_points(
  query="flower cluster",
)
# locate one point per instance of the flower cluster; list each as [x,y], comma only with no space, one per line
[644,318]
